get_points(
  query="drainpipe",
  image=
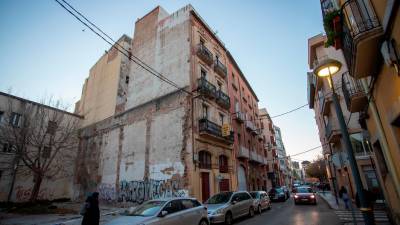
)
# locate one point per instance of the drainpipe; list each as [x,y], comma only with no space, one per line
[382,137]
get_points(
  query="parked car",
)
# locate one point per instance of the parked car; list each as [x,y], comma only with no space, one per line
[304,195]
[225,207]
[277,194]
[261,201]
[176,211]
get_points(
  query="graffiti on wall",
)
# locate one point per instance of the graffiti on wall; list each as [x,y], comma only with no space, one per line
[138,191]
[107,192]
[23,194]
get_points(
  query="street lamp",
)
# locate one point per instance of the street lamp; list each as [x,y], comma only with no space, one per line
[328,68]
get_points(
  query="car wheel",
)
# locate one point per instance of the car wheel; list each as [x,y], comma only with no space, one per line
[251,212]
[203,222]
[259,210]
[228,219]
[269,206]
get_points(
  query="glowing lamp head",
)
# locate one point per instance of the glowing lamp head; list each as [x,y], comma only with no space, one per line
[327,67]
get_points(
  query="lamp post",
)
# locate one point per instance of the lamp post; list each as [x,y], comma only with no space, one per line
[327,68]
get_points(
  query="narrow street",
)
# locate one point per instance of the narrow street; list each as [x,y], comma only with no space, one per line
[283,213]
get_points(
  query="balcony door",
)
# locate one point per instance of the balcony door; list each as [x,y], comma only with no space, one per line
[205,186]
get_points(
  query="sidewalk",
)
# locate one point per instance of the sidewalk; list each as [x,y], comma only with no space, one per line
[54,219]
[348,216]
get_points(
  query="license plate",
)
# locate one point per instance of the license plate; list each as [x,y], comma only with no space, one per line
[304,200]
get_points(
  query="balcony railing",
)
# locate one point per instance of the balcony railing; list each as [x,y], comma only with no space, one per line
[239,116]
[206,88]
[250,125]
[213,129]
[354,95]
[204,54]
[223,100]
[243,152]
[253,156]
[223,168]
[220,68]
[204,165]
[332,132]
[361,32]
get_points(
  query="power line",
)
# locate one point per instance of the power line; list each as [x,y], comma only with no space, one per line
[309,150]
[295,109]
[114,45]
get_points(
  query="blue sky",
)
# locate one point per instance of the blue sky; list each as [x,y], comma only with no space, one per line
[45,52]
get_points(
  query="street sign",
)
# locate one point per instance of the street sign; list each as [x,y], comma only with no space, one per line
[225,130]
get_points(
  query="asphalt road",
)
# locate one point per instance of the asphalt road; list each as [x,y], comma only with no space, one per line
[283,213]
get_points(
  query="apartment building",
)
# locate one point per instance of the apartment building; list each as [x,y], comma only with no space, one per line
[32,131]
[284,175]
[249,142]
[270,146]
[369,40]
[320,96]
[156,140]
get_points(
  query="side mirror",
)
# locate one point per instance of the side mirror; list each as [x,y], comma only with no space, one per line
[234,202]
[163,213]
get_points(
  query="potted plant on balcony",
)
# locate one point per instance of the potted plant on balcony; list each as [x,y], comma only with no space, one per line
[333,29]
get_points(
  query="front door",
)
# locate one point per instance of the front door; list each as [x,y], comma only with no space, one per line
[205,186]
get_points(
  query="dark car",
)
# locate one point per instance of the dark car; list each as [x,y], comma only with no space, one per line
[305,195]
[277,194]
[287,192]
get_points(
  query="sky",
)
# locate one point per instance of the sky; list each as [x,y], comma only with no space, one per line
[47,52]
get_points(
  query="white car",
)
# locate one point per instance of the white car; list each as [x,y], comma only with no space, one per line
[176,211]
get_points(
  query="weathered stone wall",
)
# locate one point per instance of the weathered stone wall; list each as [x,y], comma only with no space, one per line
[137,155]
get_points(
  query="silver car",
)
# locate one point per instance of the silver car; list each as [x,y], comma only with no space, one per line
[261,201]
[224,207]
[176,211]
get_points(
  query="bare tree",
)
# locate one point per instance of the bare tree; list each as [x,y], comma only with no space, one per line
[317,169]
[43,138]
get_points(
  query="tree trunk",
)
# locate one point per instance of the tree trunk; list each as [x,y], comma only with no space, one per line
[36,187]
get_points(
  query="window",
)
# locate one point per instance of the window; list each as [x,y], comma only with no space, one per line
[1,115]
[223,164]
[15,119]
[237,106]
[173,206]
[203,73]
[244,196]
[202,42]
[205,160]
[219,86]
[189,203]
[46,152]
[127,80]
[221,118]
[7,147]
[51,127]
[205,112]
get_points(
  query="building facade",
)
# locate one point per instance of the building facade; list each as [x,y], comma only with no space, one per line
[32,131]
[369,42]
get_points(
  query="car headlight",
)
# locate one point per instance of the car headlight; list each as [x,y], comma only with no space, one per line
[312,196]
[218,211]
[296,196]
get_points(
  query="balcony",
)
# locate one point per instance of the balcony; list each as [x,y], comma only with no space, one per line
[324,104]
[354,95]
[239,117]
[213,130]
[243,152]
[204,54]
[332,132]
[223,100]
[260,136]
[250,126]
[255,157]
[361,33]
[220,68]
[223,168]
[265,161]
[206,88]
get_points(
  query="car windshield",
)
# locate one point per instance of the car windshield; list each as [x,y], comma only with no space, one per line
[279,190]
[220,198]
[147,209]
[254,194]
[304,190]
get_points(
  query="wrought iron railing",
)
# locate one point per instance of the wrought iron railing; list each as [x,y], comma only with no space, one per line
[350,87]
[220,68]
[206,88]
[358,17]
[223,100]
[204,53]
[214,129]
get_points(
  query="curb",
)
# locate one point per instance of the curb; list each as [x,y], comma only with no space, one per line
[327,202]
